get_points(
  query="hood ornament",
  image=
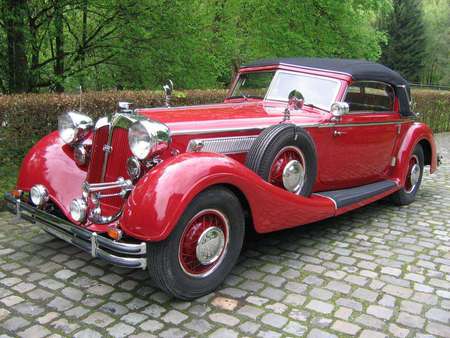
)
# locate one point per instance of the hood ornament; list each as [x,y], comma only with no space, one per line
[168,89]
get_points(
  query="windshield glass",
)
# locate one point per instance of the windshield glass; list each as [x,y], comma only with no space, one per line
[318,91]
[253,85]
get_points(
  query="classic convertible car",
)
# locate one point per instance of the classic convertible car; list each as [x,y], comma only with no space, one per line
[173,189]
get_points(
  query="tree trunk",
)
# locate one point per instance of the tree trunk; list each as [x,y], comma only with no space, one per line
[59,46]
[15,36]
[84,33]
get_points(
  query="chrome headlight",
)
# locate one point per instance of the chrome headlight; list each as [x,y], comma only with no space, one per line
[38,195]
[148,137]
[78,208]
[73,126]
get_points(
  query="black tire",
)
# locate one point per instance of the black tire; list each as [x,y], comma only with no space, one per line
[165,264]
[406,196]
[266,147]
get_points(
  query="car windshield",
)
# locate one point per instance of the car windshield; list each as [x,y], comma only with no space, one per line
[318,91]
[252,85]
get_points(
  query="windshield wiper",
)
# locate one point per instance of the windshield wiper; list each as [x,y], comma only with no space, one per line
[312,105]
[245,97]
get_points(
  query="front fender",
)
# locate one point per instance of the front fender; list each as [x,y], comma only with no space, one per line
[50,163]
[161,196]
[417,132]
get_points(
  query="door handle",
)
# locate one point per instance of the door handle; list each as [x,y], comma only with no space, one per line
[338,133]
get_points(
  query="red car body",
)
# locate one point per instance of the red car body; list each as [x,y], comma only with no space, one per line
[352,151]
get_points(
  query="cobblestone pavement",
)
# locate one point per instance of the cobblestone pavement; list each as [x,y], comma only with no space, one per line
[378,271]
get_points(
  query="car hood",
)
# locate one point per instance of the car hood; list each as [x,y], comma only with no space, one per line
[223,116]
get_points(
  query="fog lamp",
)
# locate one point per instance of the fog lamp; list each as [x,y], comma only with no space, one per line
[80,154]
[133,168]
[39,195]
[78,209]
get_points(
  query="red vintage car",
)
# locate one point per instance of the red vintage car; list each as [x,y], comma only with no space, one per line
[172,190]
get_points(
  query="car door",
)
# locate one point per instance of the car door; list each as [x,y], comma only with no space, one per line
[361,143]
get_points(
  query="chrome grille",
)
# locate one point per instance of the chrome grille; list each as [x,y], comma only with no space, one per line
[97,154]
[120,152]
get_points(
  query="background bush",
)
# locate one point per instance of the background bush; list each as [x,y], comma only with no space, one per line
[25,118]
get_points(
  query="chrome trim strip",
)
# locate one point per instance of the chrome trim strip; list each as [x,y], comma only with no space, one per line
[233,129]
[303,125]
[222,145]
[114,252]
[364,124]
[332,200]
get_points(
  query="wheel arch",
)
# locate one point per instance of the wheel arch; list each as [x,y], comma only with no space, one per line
[243,200]
[417,133]
[427,151]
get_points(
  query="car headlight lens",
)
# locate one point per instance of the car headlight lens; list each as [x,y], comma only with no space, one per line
[73,126]
[148,137]
[38,195]
[78,208]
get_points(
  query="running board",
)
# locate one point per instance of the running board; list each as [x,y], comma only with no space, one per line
[345,197]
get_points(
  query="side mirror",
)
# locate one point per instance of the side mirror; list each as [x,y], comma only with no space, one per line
[168,89]
[295,100]
[339,108]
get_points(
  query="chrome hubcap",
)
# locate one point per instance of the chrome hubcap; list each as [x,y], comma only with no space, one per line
[415,175]
[293,176]
[210,245]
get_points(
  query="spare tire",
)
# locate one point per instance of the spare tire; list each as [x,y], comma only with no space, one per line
[284,155]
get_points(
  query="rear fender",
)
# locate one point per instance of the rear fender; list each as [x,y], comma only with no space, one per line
[417,133]
[163,194]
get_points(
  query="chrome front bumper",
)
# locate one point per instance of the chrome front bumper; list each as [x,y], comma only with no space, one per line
[129,255]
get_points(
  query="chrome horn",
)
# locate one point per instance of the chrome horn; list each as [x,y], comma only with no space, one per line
[168,89]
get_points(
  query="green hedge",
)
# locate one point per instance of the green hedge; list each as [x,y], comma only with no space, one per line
[25,118]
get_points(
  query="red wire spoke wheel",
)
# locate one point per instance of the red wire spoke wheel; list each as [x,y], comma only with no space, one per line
[285,156]
[288,169]
[203,243]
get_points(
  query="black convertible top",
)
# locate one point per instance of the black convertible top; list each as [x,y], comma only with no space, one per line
[357,69]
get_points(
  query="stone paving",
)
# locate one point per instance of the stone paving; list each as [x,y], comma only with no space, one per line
[375,272]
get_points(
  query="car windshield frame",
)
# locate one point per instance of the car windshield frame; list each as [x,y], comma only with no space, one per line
[238,83]
[269,95]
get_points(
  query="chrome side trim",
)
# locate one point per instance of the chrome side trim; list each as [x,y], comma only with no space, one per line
[234,129]
[324,196]
[303,125]
[222,145]
[130,255]
[365,124]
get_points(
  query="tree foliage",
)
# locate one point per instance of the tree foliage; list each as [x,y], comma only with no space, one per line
[437,31]
[405,48]
[136,44]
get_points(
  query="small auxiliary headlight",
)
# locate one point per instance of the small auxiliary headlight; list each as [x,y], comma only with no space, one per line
[80,154]
[78,209]
[39,195]
[133,168]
